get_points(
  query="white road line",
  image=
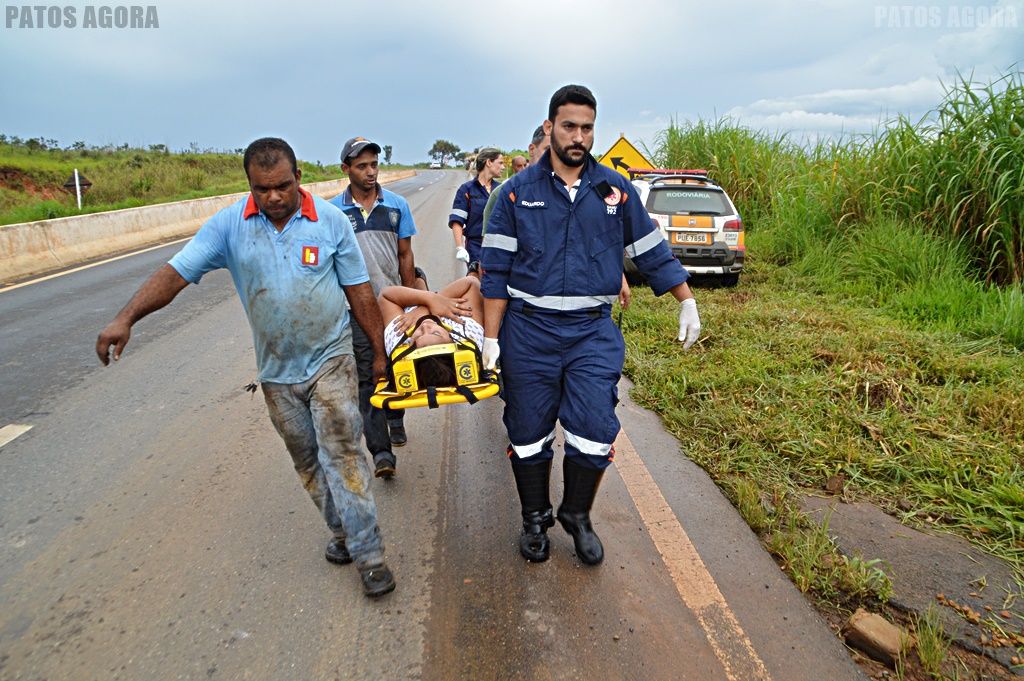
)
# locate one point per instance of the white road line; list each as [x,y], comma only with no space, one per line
[8,433]
[694,583]
[93,264]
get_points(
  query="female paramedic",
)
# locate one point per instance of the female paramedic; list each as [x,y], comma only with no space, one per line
[467,216]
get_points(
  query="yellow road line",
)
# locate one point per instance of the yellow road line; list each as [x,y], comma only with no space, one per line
[8,433]
[92,264]
[694,583]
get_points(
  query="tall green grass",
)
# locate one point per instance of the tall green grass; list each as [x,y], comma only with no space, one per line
[925,219]
[875,336]
[957,174]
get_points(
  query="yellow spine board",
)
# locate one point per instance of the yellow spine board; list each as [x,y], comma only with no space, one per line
[419,399]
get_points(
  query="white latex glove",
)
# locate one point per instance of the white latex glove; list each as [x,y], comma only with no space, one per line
[689,323]
[490,353]
[462,254]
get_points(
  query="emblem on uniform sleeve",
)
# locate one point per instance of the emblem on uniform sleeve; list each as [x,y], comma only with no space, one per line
[393,216]
[614,197]
[310,255]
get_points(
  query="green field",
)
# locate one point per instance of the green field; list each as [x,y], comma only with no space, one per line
[875,339]
[32,173]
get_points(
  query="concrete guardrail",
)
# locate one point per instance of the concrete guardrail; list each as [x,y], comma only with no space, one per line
[29,248]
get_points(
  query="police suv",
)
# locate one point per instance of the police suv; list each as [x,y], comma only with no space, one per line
[697,218]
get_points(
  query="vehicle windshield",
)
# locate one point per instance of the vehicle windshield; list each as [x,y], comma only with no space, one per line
[688,201]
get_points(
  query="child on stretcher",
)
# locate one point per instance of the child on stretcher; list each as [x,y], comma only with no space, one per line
[453,313]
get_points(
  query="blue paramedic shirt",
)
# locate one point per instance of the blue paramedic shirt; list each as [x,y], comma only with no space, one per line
[290,282]
[560,251]
[468,207]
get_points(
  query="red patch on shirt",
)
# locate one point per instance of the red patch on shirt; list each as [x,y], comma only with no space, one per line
[310,255]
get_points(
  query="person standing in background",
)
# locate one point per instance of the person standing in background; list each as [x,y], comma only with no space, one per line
[467,217]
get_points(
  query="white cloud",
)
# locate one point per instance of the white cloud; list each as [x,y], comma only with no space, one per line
[841,110]
[408,72]
[993,42]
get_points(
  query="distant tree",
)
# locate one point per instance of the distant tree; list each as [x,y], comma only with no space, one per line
[34,144]
[158,148]
[77,145]
[442,150]
[387,154]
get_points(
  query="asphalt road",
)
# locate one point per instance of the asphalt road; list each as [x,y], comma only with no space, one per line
[151,526]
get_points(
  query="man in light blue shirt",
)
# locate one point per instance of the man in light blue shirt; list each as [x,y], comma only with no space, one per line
[294,261]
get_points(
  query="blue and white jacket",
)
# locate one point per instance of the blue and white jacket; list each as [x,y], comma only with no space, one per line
[565,254]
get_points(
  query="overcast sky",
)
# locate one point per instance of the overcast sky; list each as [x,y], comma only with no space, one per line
[220,74]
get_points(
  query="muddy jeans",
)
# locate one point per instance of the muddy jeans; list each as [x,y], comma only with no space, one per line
[320,423]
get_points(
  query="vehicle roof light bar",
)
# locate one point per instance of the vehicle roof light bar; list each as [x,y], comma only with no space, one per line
[666,171]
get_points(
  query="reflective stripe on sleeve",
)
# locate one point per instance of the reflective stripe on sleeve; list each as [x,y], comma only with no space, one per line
[645,243]
[505,243]
[534,448]
[585,446]
[460,213]
[563,303]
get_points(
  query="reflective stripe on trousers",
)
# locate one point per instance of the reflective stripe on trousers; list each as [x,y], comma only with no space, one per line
[565,368]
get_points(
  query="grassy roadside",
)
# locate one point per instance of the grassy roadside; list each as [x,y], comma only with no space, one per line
[792,385]
[795,390]
[874,345]
[31,178]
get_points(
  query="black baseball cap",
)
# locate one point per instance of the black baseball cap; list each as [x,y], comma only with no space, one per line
[355,146]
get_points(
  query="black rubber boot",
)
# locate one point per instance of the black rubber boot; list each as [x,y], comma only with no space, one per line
[532,484]
[581,485]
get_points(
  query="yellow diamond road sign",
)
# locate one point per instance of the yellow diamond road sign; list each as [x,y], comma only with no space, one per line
[623,156]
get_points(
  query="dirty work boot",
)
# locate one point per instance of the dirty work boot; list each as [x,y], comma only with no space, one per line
[532,484]
[337,552]
[581,485]
[384,465]
[396,429]
[377,580]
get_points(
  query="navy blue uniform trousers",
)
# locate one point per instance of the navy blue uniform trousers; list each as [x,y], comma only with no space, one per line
[562,366]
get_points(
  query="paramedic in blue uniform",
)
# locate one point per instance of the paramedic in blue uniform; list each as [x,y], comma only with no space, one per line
[552,266]
[467,216]
[384,229]
[294,261]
